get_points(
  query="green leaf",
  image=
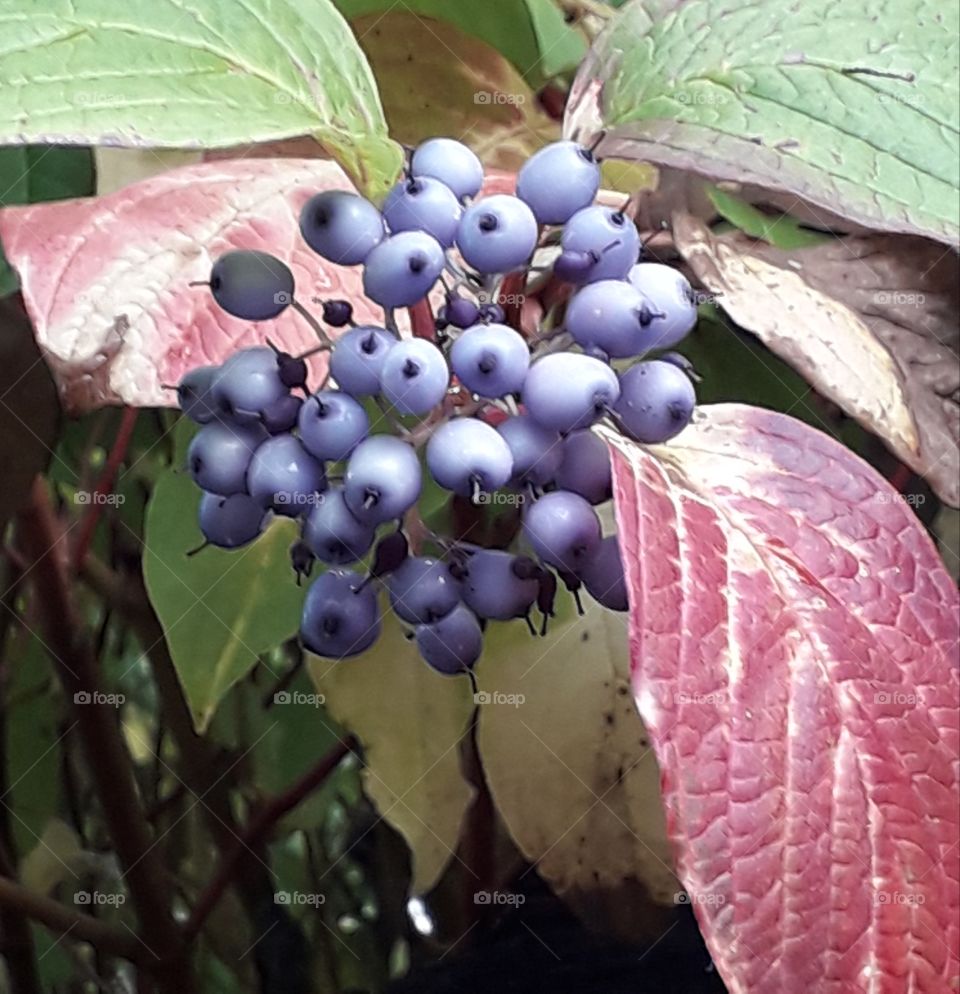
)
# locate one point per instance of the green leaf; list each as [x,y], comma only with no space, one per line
[33,173]
[219,609]
[781,230]
[8,277]
[561,46]
[531,34]
[204,75]
[410,720]
[852,108]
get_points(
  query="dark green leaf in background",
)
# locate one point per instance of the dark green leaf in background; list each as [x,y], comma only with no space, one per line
[219,609]
[30,174]
[781,230]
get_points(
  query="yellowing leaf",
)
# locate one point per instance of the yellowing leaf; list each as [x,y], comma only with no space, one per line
[410,721]
[567,758]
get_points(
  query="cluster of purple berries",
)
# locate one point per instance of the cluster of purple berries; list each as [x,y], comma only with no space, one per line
[514,416]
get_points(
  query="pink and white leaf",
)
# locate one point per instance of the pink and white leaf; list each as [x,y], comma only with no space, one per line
[106,279]
[794,647]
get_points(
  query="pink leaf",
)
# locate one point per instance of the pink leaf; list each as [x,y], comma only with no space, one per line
[794,641]
[106,279]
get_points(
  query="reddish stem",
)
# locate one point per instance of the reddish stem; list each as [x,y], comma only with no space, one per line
[111,768]
[118,453]
[422,320]
[553,99]
[900,477]
[259,829]
[512,292]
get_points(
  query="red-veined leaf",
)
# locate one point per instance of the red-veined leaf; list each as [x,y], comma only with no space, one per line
[106,279]
[794,643]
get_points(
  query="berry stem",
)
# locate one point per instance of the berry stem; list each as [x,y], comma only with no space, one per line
[422,321]
[313,322]
[511,291]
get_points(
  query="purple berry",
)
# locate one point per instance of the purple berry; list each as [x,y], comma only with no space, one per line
[565,391]
[230,522]
[563,530]
[656,401]
[357,358]
[422,203]
[332,424]
[497,234]
[558,180]
[341,226]
[340,617]
[284,476]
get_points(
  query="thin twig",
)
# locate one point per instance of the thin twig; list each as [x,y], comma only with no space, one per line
[313,322]
[259,829]
[109,763]
[59,918]
[118,453]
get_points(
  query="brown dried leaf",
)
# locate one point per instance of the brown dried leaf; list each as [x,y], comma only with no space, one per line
[871,322]
[436,80]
